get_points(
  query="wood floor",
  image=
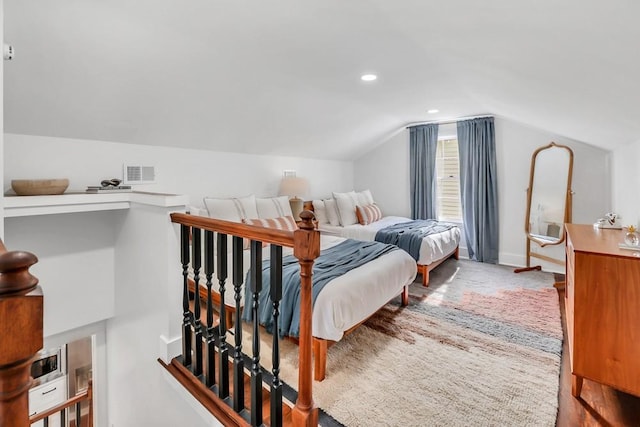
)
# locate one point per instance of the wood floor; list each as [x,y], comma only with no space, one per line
[598,405]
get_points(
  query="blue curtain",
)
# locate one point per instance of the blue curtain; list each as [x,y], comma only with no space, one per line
[479,188]
[423,141]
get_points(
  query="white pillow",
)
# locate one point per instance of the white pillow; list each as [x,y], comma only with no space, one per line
[346,203]
[365,198]
[320,210]
[232,209]
[332,211]
[273,207]
[197,210]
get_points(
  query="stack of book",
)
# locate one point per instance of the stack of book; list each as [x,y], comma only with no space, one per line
[109,189]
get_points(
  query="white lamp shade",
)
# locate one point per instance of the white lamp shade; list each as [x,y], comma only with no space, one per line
[294,186]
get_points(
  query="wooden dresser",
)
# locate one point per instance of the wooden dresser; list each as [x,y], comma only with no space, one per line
[603,309]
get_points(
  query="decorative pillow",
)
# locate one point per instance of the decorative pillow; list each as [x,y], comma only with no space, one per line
[232,209]
[332,211]
[346,203]
[368,214]
[280,223]
[320,211]
[273,207]
[365,198]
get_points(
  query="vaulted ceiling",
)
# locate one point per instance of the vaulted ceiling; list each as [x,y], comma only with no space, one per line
[283,77]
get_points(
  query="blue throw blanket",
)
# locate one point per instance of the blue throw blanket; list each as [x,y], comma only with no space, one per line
[331,263]
[408,235]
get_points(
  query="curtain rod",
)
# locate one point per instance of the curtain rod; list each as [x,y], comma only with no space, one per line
[449,121]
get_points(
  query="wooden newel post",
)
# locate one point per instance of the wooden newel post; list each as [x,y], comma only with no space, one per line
[306,249]
[20,334]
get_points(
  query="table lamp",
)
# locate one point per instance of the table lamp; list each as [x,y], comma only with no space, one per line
[294,187]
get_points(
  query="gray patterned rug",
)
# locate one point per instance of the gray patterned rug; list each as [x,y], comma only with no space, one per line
[481,346]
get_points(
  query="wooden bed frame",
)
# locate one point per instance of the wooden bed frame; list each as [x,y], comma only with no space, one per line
[426,269]
[320,345]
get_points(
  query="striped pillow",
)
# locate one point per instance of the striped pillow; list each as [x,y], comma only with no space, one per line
[368,214]
[280,223]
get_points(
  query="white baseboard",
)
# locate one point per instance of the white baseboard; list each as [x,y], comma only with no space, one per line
[517,260]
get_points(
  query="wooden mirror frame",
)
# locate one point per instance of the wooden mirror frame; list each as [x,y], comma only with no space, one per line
[567,211]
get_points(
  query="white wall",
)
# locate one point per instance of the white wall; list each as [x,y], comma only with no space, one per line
[385,170]
[626,183]
[196,173]
[75,266]
[148,314]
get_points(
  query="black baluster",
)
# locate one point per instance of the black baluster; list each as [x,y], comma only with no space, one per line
[186,313]
[275,280]
[45,422]
[223,356]
[78,414]
[256,374]
[196,245]
[238,360]
[208,271]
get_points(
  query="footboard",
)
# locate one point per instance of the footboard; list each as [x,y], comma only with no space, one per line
[205,352]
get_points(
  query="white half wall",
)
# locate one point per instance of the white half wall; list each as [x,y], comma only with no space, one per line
[196,173]
[385,170]
[75,264]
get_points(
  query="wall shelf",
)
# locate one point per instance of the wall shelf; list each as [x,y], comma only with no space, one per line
[20,206]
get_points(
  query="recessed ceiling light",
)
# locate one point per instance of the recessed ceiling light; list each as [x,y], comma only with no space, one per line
[433,111]
[368,77]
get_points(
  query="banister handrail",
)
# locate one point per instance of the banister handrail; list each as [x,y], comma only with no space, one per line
[305,242]
[247,231]
[78,398]
[21,333]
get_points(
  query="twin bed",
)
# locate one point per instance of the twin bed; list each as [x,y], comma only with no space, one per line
[351,298]
[434,249]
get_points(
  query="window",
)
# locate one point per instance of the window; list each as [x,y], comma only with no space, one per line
[448,176]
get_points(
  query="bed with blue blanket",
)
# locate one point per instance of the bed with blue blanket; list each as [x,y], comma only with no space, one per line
[429,242]
[352,280]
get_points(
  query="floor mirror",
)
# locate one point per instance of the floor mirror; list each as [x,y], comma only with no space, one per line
[548,201]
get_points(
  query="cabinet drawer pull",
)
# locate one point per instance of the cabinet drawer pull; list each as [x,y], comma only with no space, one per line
[49,391]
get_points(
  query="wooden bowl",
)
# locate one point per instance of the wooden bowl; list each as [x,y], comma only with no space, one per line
[39,187]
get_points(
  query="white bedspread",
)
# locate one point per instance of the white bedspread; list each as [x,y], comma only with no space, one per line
[433,248]
[349,299]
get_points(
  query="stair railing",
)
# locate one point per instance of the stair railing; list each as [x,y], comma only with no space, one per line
[204,253]
[76,402]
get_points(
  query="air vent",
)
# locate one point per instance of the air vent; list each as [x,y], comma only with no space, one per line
[134,174]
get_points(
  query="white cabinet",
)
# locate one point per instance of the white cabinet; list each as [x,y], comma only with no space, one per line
[46,396]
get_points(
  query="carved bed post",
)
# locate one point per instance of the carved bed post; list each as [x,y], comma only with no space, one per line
[20,334]
[306,249]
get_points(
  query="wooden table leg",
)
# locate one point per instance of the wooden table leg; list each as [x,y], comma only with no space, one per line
[576,385]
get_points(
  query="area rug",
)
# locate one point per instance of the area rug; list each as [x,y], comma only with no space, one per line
[481,346]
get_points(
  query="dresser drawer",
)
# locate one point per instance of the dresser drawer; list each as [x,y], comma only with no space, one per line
[47,395]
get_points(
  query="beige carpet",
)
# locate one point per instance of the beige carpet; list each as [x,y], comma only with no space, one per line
[480,347]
